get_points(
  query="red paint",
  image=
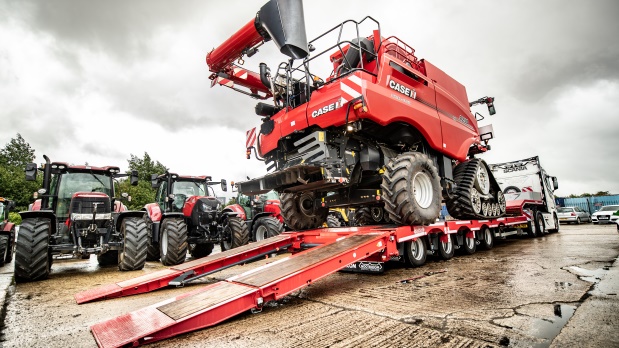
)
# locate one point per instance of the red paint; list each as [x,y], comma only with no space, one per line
[237,208]
[154,212]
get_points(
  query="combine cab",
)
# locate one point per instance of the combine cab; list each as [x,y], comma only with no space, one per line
[78,215]
[187,217]
[383,130]
[261,212]
[7,232]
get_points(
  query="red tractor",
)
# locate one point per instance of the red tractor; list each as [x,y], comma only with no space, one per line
[78,215]
[187,217]
[382,130]
[261,212]
[7,232]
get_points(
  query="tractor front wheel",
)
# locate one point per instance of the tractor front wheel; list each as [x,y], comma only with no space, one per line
[236,233]
[132,256]
[32,258]
[173,241]
[265,227]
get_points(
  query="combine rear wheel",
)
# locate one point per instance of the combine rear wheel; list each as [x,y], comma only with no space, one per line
[200,250]
[300,211]
[266,227]
[411,189]
[236,233]
[415,252]
[132,256]
[32,257]
[173,241]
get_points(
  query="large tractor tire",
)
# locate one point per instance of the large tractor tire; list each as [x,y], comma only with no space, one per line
[173,241]
[236,233]
[4,249]
[267,226]
[300,212]
[132,256]
[32,257]
[200,250]
[412,190]
[110,258]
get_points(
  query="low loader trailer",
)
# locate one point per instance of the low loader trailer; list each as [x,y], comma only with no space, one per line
[316,254]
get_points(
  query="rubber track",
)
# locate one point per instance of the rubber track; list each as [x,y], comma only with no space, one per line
[31,255]
[4,245]
[294,218]
[136,239]
[398,197]
[273,225]
[177,241]
[239,231]
[459,206]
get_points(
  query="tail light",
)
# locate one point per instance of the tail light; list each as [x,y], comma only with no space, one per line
[573,214]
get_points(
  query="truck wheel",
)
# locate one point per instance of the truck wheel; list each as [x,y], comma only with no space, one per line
[110,258]
[540,225]
[446,249]
[32,256]
[556,220]
[4,249]
[300,212]
[488,241]
[268,226]
[411,189]
[333,221]
[469,246]
[236,233]
[200,250]
[132,256]
[173,242]
[415,252]
[511,189]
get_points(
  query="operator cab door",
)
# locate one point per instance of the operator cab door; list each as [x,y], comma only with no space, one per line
[162,193]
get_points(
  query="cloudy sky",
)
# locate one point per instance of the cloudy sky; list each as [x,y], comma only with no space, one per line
[96,81]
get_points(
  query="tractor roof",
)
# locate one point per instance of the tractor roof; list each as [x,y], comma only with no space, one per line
[187,177]
[65,167]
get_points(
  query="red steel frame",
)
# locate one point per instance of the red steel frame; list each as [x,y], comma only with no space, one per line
[207,306]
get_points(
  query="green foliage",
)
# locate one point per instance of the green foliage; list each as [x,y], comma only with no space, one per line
[16,153]
[146,166]
[13,185]
[141,194]
[15,218]
[597,194]
[231,201]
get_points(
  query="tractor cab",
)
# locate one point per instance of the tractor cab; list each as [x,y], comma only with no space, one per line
[255,204]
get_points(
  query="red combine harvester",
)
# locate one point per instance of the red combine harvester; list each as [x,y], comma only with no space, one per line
[384,131]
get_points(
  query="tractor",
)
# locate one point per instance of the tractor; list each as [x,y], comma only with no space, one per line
[78,215]
[382,130]
[188,217]
[7,231]
[261,213]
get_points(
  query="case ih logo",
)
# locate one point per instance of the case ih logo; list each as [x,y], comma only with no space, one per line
[327,108]
[409,92]
[514,168]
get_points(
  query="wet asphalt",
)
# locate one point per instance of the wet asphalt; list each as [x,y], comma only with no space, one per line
[555,291]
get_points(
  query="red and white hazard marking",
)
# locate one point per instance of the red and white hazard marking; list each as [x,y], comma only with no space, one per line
[250,137]
[237,72]
[527,189]
[352,87]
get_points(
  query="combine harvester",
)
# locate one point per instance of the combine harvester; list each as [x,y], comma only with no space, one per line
[379,133]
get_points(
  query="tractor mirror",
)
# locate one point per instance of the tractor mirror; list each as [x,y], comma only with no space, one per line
[224,185]
[134,177]
[154,183]
[491,109]
[11,205]
[31,171]
[555,183]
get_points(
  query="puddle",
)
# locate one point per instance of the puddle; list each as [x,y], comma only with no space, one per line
[592,276]
[547,329]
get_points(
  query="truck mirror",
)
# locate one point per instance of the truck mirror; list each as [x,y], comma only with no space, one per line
[224,185]
[134,177]
[555,183]
[154,183]
[31,171]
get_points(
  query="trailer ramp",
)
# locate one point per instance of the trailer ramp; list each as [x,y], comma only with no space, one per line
[217,302]
[178,274]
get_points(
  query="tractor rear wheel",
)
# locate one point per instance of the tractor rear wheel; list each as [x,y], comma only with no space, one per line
[415,252]
[108,259]
[32,258]
[411,189]
[132,256]
[267,226]
[236,233]
[173,241]
[200,250]
[4,249]
[300,212]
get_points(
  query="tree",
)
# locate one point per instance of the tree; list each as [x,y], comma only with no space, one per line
[143,193]
[16,153]
[146,166]
[13,159]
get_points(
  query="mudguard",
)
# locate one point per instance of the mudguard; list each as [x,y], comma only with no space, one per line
[237,209]
[46,214]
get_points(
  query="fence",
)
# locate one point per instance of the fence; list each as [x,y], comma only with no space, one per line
[590,204]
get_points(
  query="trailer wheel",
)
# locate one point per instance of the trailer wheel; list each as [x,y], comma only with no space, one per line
[236,233]
[488,241]
[173,241]
[300,213]
[469,246]
[411,189]
[446,249]
[268,226]
[415,252]
[200,250]
[108,259]
[32,256]
[540,224]
[333,221]
[4,249]
[132,256]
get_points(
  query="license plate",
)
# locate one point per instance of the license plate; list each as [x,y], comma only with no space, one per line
[603,217]
[521,226]
[562,219]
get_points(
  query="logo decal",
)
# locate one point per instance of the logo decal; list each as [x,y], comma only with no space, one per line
[327,108]
[407,91]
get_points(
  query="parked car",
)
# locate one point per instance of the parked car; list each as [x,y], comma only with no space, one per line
[606,215]
[573,215]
